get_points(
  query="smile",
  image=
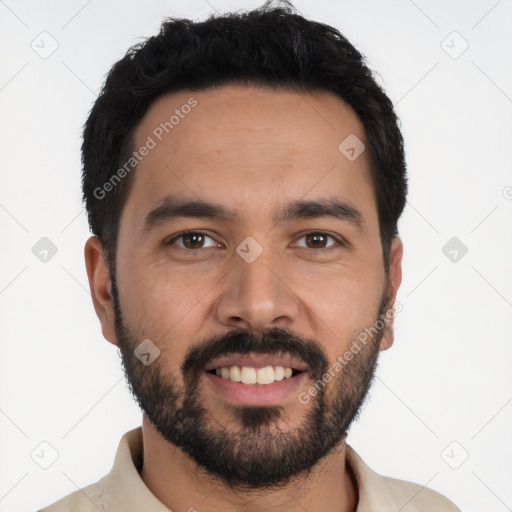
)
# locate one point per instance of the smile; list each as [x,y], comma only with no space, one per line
[256,379]
[249,375]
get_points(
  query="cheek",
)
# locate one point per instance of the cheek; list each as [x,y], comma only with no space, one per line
[160,291]
[340,305]
[346,291]
[165,307]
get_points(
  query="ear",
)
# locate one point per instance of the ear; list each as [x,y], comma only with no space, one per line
[393,284]
[101,287]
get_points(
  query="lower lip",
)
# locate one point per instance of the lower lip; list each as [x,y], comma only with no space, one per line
[256,394]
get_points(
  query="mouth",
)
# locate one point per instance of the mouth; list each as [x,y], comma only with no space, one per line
[256,379]
[260,376]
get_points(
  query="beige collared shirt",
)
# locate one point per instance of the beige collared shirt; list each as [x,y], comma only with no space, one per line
[122,490]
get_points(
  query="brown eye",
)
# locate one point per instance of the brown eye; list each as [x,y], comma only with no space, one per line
[317,240]
[192,240]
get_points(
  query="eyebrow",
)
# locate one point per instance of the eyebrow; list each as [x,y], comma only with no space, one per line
[172,208]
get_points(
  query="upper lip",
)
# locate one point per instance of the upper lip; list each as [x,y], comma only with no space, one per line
[257,361]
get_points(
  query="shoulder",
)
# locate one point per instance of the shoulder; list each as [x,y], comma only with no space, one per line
[377,492]
[88,499]
[417,498]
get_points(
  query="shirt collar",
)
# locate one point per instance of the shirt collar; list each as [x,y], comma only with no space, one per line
[123,488]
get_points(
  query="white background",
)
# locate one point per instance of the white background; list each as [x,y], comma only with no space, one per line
[447,378]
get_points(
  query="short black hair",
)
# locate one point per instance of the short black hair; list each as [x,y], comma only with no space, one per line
[272,46]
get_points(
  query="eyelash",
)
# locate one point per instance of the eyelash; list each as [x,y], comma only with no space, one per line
[339,242]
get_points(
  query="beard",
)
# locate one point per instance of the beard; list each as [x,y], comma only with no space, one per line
[259,454]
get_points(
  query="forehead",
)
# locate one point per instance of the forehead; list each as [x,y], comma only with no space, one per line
[249,146]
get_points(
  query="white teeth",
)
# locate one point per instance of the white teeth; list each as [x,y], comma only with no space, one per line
[235,374]
[278,373]
[265,375]
[249,375]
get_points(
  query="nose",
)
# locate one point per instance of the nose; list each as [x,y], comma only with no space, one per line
[257,296]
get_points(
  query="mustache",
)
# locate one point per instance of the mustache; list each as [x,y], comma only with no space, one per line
[269,341]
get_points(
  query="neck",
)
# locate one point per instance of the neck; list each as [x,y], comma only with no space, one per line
[178,483]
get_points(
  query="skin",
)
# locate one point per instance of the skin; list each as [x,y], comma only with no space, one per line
[253,150]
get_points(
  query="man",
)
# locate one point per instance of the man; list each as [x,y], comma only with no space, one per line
[244,177]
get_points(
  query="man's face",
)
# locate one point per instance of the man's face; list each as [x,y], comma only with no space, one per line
[267,284]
